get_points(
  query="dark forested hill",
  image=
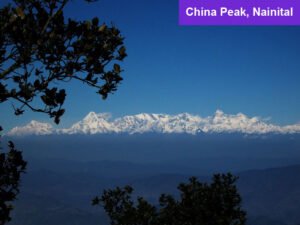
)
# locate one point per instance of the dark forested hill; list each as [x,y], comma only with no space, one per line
[69,170]
[205,153]
[271,196]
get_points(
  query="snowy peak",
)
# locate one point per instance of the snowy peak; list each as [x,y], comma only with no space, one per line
[220,122]
[160,123]
[91,124]
[94,117]
[32,128]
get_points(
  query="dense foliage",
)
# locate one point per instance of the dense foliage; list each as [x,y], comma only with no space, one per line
[40,48]
[12,166]
[217,203]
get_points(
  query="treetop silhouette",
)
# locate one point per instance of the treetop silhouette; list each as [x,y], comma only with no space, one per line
[215,203]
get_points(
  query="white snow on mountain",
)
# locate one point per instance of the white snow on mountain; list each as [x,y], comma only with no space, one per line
[160,123]
[220,122]
[32,128]
[91,124]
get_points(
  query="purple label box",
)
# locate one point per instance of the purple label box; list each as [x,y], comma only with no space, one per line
[239,12]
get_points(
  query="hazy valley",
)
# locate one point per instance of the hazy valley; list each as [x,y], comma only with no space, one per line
[66,171]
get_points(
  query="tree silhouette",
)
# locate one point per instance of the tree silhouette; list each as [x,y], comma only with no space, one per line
[217,203]
[12,166]
[39,50]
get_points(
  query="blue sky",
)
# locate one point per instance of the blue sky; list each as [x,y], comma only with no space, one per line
[173,69]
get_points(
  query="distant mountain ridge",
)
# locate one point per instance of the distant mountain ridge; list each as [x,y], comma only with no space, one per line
[102,123]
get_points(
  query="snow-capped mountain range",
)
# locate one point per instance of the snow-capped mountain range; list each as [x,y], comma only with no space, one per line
[102,123]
